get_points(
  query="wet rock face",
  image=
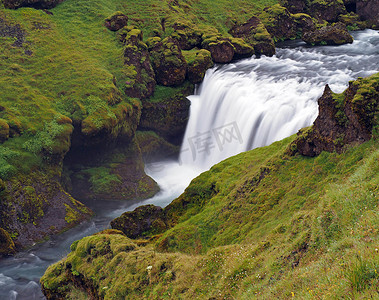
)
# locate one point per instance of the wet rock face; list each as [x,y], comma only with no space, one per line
[40,4]
[256,35]
[168,62]
[167,117]
[327,10]
[368,10]
[142,220]
[329,35]
[343,119]
[116,21]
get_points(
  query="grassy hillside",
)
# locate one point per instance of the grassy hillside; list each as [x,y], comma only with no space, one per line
[259,225]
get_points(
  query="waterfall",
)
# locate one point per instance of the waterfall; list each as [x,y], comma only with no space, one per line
[254,102]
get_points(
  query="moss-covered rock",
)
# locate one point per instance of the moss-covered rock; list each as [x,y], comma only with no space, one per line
[41,4]
[35,207]
[168,62]
[279,22]
[347,118]
[327,10]
[140,78]
[295,6]
[198,61]
[167,113]
[336,34]
[221,49]
[116,21]
[7,246]
[256,35]
[144,220]
[241,48]
[110,173]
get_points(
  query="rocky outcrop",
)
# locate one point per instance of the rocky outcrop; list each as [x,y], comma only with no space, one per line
[109,173]
[168,62]
[168,115]
[327,10]
[295,6]
[343,119]
[41,4]
[141,221]
[368,10]
[198,62]
[328,35]
[116,21]
[140,78]
[7,246]
[256,35]
[36,206]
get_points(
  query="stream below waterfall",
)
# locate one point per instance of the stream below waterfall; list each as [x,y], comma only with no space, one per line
[238,107]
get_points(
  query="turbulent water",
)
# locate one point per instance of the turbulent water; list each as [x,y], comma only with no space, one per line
[238,107]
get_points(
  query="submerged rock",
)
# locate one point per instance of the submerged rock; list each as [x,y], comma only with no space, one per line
[328,35]
[343,119]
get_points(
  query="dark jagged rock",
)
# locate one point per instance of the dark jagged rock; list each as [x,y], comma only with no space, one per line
[116,21]
[327,10]
[168,62]
[143,220]
[256,35]
[343,119]
[368,10]
[198,61]
[328,35]
[167,116]
[140,77]
[40,4]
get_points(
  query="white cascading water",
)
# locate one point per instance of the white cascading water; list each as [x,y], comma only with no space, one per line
[238,107]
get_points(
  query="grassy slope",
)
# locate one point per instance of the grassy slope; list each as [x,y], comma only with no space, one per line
[308,230]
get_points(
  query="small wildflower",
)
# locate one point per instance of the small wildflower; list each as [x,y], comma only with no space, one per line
[149,268]
[293,294]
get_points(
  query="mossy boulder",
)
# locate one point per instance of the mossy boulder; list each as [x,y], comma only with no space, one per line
[336,34]
[198,61]
[353,21]
[7,246]
[187,38]
[116,21]
[40,4]
[347,118]
[4,130]
[221,49]
[167,114]
[254,33]
[146,219]
[168,62]
[327,10]
[241,48]
[279,22]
